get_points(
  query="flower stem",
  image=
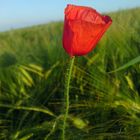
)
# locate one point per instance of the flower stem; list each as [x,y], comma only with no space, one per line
[66,94]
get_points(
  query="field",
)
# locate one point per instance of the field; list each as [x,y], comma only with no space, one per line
[104,89]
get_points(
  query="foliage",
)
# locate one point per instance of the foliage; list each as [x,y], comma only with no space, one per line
[104,102]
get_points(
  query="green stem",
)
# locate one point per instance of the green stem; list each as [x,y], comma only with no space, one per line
[66,94]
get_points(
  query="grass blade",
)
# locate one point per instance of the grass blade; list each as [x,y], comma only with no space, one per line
[130,63]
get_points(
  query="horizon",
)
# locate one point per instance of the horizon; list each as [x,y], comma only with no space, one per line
[25,13]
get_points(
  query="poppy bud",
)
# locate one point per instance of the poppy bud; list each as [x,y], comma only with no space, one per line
[83,28]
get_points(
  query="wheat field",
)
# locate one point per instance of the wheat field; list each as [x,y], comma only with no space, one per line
[104,89]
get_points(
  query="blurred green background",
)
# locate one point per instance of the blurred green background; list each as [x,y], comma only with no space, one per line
[104,105]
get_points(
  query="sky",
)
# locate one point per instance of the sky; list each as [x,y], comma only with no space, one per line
[22,13]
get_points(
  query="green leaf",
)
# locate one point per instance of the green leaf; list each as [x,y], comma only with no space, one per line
[36,109]
[27,137]
[130,63]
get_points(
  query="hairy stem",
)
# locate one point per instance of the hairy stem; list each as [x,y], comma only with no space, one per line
[66,94]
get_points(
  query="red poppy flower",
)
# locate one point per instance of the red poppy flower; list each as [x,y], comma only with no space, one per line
[83,28]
